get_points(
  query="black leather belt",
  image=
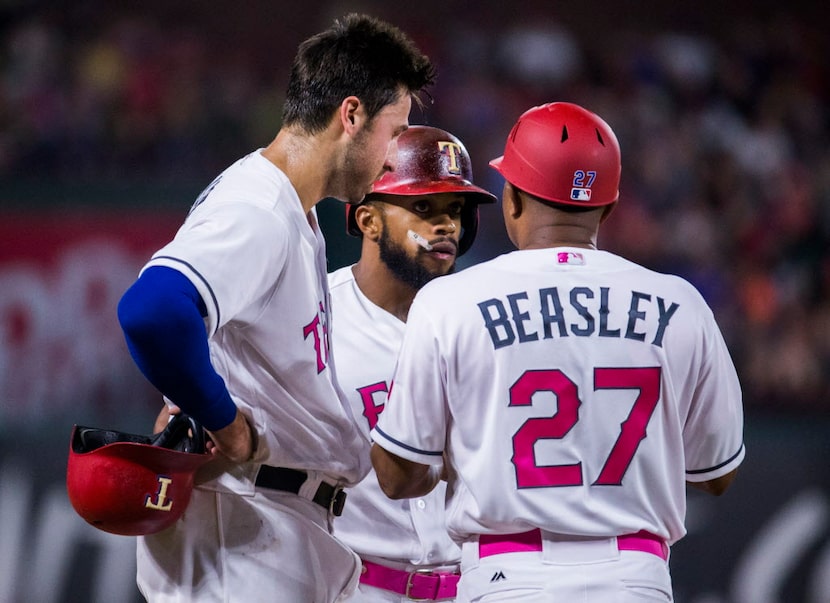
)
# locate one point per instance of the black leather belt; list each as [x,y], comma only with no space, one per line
[327,496]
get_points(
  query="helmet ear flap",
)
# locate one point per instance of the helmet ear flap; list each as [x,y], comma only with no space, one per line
[469,227]
[182,433]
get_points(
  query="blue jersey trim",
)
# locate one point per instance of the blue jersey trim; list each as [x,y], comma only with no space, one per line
[405,447]
[726,462]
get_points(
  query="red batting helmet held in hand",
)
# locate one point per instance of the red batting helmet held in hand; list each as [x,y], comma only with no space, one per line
[131,484]
[562,153]
[431,161]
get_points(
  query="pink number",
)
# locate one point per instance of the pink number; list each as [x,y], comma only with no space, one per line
[528,473]
[632,430]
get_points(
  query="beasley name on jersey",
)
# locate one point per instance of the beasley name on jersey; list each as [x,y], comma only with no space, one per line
[506,317]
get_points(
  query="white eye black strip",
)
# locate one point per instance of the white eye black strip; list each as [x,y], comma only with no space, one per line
[419,239]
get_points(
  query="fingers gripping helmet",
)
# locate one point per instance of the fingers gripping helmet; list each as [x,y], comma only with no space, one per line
[431,161]
[131,484]
[562,153]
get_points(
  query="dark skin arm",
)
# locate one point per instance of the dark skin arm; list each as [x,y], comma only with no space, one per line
[401,478]
[716,486]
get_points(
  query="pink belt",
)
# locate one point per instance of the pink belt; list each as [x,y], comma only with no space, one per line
[496,544]
[420,585]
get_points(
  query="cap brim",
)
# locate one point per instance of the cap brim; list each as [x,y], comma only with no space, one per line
[496,163]
[441,186]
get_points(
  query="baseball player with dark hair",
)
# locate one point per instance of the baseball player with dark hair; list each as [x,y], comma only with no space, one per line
[414,224]
[230,321]
[568,393]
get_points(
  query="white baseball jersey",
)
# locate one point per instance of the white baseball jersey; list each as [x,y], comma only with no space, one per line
[575,391]
[260,268]
[366,344]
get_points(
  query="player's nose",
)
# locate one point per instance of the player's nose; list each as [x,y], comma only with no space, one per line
[446,224]
[390,163]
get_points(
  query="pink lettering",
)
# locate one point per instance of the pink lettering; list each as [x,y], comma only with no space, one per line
[312,329]
[371,410]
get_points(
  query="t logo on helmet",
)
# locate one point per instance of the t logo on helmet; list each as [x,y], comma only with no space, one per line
[453,151]
[161,496]
[119,482]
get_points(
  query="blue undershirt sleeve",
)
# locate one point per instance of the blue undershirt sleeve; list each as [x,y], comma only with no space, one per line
[161,315]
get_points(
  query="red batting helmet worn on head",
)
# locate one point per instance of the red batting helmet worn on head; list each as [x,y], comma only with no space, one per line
[131,484]
[431,161]
[562,153]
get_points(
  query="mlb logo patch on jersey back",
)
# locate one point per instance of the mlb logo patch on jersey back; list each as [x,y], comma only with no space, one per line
[570,257]
[580,194]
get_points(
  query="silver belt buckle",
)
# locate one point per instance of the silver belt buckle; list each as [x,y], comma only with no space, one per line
[409,584]
[337,502]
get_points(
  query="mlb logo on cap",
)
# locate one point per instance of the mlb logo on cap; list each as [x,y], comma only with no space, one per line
[580,194]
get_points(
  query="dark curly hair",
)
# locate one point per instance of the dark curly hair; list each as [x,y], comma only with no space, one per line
[357,56]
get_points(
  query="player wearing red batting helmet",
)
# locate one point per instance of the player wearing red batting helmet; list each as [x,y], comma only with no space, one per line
[413,225]
[430,161]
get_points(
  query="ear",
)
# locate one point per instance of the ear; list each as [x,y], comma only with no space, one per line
[351,114]
[513,202]
[368,221]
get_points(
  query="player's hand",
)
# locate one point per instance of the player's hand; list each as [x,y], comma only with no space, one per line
[163,417]
[237,441]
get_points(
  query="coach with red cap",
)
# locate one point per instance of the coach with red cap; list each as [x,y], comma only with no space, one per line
[568,394]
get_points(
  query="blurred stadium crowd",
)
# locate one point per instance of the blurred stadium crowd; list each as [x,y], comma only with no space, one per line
[725,138]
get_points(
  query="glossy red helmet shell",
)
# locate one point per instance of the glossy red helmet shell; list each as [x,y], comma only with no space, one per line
[563,153]
[129,484]
[431,161]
